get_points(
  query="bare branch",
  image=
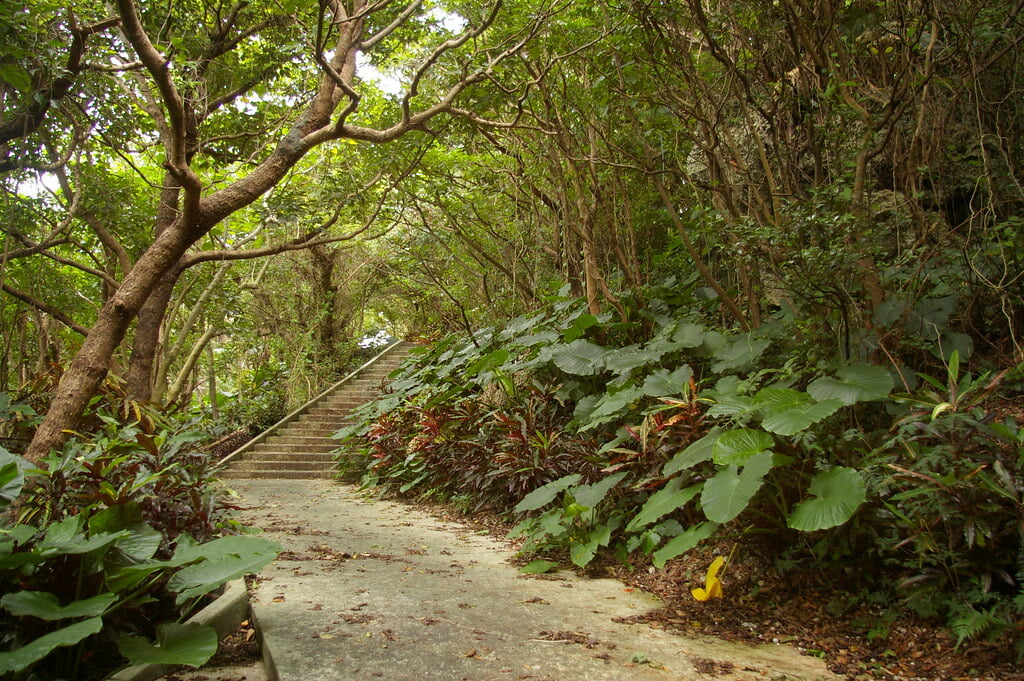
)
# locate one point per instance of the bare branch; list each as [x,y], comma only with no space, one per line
[440,51]
[390,28]
[45,307]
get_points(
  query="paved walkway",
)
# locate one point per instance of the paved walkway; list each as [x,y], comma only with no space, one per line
[369,589]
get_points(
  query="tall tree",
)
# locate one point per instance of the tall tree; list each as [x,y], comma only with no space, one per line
[193,85]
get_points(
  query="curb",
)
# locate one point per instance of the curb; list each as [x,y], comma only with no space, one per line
[225,615]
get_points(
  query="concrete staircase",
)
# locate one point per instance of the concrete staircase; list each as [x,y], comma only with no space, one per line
[300,444]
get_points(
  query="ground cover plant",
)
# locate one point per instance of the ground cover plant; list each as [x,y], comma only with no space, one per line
[648,438]
[106,553]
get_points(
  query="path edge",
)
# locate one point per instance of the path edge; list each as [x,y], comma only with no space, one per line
[225,615]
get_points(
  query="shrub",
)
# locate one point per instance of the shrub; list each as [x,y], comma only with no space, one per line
[116,542]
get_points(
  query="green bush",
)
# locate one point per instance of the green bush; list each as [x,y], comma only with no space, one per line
[112,546]
[650,438]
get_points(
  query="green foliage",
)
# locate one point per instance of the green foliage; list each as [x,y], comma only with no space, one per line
[437,430]
[645,462]
[118,535]
[952,503]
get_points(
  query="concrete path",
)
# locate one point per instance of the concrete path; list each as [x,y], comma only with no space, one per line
[369,589]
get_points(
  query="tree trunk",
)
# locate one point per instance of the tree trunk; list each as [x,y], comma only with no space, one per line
[148,342]
[83,378]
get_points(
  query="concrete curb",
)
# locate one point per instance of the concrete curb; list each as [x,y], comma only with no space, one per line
[225,614]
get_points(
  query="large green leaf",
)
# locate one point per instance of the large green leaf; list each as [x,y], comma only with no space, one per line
[581,553]
[16,660]
[838,494]
[44,605]
[739,353]
[189,644]
[218,561]
[787,411]
[689,335]
[520,325]
[580,358]
[738,446]
[663,502]
[727,494]
[579,327]
[695,453]
[142,541]
[538,567]
[625,360]
[611,405]
[12,475]
[539,338]
[488,362]
[662,382]
[542,496]
[733,405]
[16,76]
[855,383]
[205,576]
[189,551]
[592,495]
[683,542]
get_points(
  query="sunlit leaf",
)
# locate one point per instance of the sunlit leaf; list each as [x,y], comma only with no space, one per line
[537,567]
[663,502]
[738,446]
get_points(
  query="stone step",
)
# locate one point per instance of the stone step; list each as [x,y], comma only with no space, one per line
[238,473]
[303,448]
[298,439]
[283,464]
[274,455]
[346,397]
[320,421]
[277,447]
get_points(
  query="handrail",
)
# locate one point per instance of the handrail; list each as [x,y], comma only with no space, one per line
[298,412]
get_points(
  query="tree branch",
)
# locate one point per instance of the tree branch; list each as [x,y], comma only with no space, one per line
[29,120]
[45,307]
[159,70]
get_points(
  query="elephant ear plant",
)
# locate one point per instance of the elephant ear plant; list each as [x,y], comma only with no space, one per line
[96,571]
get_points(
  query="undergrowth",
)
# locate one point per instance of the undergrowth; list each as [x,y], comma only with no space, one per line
[652,435]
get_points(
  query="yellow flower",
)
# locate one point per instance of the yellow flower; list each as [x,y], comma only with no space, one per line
[712,585]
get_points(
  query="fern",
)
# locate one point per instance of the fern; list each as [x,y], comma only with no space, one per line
[968,623]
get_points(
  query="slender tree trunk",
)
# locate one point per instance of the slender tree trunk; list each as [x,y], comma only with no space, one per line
[211,381]
[148,338]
